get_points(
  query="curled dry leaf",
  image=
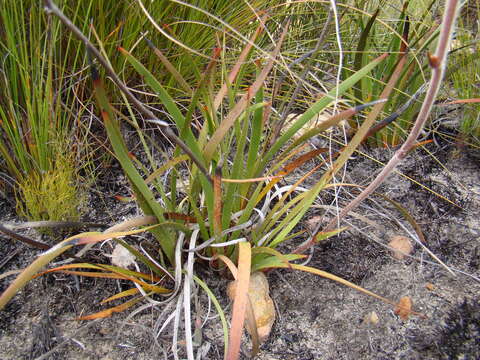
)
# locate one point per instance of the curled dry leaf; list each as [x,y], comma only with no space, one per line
[262,303]
[401,246]
[404,308]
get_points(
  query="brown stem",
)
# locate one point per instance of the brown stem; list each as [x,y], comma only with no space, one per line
[438,64]
[50,7]
[24,239]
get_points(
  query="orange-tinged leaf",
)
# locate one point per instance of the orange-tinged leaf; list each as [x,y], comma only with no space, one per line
[231,266]
[462,101]
[302,159]
[299,181]
[122,294]
[178,216]
[421,143]
[124,198]
[240,300]
[144,285]
[150,287]
[113,275]
[241,181]
[94,274]
[108,312]
[288,168]
[115,269]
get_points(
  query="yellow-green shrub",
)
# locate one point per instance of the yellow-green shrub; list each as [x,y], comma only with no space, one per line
[51,195]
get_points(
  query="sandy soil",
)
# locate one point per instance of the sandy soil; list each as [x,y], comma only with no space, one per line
[316,318]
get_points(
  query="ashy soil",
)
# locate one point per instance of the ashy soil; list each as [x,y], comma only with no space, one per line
[316,318]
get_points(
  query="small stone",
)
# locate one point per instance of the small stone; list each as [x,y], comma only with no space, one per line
[371,318]
[262,303]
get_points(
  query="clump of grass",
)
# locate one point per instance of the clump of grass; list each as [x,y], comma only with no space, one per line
[469,126]
[37,108]
[53,194]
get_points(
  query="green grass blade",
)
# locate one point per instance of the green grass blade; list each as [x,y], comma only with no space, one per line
[167,100]
[218,307]
[143,194]
[361,54]
[239,108]
[315,109]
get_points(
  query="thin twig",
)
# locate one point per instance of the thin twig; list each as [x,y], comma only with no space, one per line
[50,7]
[8,257]
[24,239]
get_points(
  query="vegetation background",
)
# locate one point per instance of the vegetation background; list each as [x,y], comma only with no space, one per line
[254,91]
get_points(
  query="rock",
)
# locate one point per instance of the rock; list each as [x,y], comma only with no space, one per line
[261,301]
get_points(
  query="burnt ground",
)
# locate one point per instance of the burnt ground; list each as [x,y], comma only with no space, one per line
[316,318]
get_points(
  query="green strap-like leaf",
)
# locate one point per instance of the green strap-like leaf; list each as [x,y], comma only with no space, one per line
[316,108]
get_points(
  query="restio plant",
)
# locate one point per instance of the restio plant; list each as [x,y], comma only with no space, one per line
[217,199]
[52,194]
[37,114]
[43,72]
